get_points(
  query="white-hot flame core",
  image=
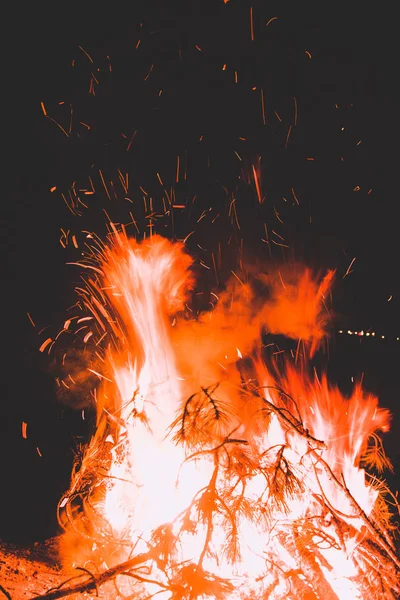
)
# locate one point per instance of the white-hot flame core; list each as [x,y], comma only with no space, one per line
[150,493]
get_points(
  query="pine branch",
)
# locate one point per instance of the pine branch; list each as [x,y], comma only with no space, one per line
[94,582]
[373,528]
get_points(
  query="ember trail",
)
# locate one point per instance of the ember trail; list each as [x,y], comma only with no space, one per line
[211,474]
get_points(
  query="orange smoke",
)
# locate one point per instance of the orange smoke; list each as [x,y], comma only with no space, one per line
[293,307]
[297,306]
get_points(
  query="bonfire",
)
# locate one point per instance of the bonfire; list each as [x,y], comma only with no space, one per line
[218,468]
[214,472]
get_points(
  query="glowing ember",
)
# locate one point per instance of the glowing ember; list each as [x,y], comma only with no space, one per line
[223,478]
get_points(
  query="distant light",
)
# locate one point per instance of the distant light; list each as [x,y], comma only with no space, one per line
[365,333]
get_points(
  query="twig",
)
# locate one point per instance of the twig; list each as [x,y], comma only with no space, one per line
[372,529]
[94,582]
[7,595]
[297,426]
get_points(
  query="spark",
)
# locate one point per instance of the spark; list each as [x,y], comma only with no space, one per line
[260,199]
[237,277]
[204,265]
[82,320]
[70,119]
[87,336]
[188,236]
[277,216]
[251,24]
[80,329]
[58,125]
[294,111]
[215,268]
[45,344]
[308,53]
[131,140]
[104,184]
[24,426]
[278,244]
[349,268]
[149,72]
[288,136]
[203,214]
[87,54]
[31,320]
[270,21]
[263,107]
[277,234]
[100,376]
[124,181]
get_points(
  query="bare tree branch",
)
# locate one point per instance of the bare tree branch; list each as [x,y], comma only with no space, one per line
[96,581]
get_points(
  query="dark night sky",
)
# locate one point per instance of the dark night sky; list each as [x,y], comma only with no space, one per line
[352,64]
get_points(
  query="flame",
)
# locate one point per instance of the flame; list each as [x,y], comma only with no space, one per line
[241,481]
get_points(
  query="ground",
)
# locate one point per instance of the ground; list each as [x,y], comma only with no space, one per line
[26,572]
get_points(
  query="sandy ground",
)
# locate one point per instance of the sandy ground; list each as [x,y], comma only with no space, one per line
[26,572]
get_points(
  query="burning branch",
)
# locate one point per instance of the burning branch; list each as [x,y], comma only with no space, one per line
[94,582]
[373,527]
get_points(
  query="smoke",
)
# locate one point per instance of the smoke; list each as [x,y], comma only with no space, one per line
[289,302]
